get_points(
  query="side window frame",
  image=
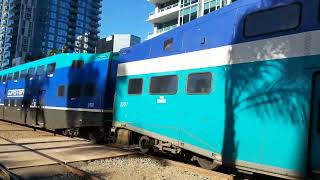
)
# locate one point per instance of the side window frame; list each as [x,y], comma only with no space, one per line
[64,91]
[77,64]
[9,77]
[23,74]
[94,90]
[78,87]
[128,87]
[200,73]
[16,75]
[266,10]
[168,44]
[4,78]
[173,93]
[52,68]
[42,68]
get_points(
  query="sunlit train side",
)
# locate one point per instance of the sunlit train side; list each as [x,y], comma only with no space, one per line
[65,92]
[238,87]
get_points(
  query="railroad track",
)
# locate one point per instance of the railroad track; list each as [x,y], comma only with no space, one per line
[61,167]
[67,167]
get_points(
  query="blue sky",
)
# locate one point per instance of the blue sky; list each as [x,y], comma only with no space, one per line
[125,17]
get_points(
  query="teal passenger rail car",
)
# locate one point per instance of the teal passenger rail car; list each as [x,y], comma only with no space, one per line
[66,92]
[238,87]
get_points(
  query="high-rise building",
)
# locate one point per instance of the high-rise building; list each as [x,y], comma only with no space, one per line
[169,14]
[116,42]
[32,28]
[17,29]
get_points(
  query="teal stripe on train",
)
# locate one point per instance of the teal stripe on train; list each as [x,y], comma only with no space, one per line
[257,112]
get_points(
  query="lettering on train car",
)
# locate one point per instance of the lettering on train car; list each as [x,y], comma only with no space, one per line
[15,93]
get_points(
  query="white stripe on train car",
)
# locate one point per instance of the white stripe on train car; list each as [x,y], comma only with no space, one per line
[74,109]
[289,46]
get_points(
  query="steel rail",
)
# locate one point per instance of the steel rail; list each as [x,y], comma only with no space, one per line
[66,166]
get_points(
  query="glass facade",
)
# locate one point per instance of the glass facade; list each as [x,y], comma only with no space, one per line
[167,16]
[212,5]
[31,28]
[69,20]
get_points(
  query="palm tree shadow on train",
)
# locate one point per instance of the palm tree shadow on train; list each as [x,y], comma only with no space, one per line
[80,77]
[263,89]
[33,100]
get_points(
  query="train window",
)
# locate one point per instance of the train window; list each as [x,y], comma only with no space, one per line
[0,78]
[77,64]
[6,102]
[164,84]
[273,20]
[4,78]
[199,83]
[74,90]
[12,102]
[61,90]
[31,72]
[167,45]
[9,77]
[19,103]
[40,70]
[51,68]
[23,74]
[90,90]
[135,86]
[16,76]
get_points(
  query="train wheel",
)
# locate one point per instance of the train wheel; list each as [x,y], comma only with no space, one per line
[206,164]
[145,144]
[65,132]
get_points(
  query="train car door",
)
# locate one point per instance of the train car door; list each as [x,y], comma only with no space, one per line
[314,158]
[40,114]
[3,87]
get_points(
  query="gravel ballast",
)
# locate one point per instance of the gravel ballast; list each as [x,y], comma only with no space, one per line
[137,168]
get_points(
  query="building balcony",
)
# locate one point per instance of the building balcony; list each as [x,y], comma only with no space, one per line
[165,14]
[159,1]
[161,31]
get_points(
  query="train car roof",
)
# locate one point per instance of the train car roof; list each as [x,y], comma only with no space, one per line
[61,60]
[213,24]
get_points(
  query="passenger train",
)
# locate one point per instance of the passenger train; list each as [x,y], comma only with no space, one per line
[66,92]
[238,87]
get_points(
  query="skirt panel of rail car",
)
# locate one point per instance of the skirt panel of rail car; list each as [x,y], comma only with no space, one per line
[14,113]
[64,119]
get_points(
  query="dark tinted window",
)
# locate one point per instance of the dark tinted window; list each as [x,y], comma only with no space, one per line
[74,91]
[23,74]
[273,20]
[164,85]
[167,45]
[0,78]
[135,86]
[199,83]
[31,72]
[19,103]
[12,102]
[40,70]
[77,64]
[9,76]
[51,68]
[4,78]
[16,76]
[61,90]
[90,90]
[6,102]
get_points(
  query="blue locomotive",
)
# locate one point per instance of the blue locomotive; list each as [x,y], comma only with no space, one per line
[238,87]
[66,92]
